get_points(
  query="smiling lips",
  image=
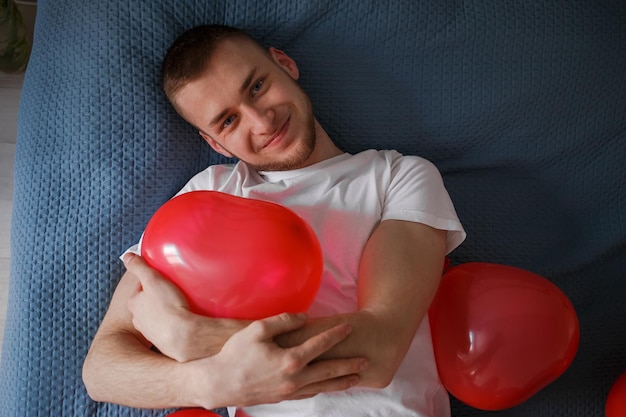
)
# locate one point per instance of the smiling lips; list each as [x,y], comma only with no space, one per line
[278,136]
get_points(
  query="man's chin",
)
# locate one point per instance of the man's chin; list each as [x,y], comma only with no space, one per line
[298,158]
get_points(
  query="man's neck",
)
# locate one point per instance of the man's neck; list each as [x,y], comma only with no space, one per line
[325,148]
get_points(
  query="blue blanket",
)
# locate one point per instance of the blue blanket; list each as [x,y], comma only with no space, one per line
[520,104]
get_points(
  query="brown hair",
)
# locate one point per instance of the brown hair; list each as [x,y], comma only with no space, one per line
[188,57]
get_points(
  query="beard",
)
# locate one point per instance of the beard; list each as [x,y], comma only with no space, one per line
[297,156]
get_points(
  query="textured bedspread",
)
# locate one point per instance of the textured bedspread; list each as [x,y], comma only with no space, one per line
[521,105]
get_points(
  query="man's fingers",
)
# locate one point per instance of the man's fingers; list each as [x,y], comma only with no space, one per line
[335,372]
[330,385]
[152,282]
[321,343]
[330,375]
[297,358]
[270,327]
[140,269]
[134,263]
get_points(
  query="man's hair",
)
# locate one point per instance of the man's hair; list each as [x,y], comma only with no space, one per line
[188,57]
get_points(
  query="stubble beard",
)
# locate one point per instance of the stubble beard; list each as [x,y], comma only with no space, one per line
[296,157]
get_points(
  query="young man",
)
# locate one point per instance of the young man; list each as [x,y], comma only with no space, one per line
[385,222]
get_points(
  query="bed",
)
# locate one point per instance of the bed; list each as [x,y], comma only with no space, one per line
[520,104]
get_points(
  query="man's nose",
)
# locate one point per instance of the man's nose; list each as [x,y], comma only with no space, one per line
[261,120]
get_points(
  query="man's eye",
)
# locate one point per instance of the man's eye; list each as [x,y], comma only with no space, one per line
[229,121]
[257,86]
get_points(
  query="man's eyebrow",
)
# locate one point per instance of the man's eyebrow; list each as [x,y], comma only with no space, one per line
[246,83]
[218,118]
[244,86]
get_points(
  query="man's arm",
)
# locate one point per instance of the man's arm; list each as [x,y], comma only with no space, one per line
[249,369]
[161,314]
[399,274]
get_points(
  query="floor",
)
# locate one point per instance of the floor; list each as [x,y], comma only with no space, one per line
[10,90]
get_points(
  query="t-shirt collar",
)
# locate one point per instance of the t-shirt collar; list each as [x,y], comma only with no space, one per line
[275,176]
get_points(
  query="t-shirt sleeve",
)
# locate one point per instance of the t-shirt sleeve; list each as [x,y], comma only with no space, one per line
[417,193]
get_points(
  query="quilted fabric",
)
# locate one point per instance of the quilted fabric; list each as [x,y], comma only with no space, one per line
[521,104]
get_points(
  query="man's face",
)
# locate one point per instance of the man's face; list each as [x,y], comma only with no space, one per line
[248,105]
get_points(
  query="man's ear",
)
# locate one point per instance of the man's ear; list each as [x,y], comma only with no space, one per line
[216,146]
[285,62]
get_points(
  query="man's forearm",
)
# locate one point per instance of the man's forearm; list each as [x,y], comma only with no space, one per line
[201,337]
[251,369]
[122,370]
[399,273]
[248,369]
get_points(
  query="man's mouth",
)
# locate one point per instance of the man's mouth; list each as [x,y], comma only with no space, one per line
[278,136]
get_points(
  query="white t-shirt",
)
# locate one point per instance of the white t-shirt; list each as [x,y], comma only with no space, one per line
[343,199]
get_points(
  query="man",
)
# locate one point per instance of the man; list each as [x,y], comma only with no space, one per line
[385,223]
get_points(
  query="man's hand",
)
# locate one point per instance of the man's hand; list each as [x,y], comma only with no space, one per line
[267,373]
[253,369]
[161,314]
[248,368]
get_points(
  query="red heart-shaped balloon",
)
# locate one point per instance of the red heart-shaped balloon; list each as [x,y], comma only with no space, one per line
[500,334]
[235,257]
[616,400]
